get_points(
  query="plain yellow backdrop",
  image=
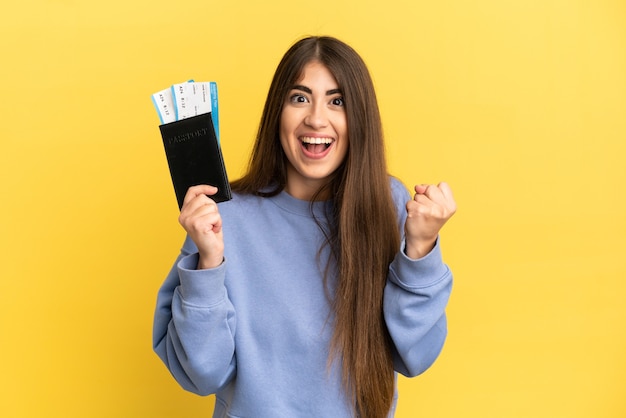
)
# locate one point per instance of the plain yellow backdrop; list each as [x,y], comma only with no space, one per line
[519,105]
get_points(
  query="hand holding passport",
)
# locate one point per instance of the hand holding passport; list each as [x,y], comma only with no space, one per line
[189,132]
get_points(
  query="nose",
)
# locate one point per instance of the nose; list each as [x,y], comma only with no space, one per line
[316,117]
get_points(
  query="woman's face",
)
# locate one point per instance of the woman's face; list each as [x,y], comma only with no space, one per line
[313,130]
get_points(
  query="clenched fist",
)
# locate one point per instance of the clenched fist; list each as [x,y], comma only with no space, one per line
[427,212]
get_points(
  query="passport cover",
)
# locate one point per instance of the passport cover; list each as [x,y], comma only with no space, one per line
[194,156]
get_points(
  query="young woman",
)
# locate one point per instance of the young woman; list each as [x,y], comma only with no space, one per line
[322,277]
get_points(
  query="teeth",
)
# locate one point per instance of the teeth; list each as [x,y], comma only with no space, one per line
[310,140]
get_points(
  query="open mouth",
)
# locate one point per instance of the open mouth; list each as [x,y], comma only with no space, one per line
[316,145]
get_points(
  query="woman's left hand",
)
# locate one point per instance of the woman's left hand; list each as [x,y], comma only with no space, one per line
[427,212]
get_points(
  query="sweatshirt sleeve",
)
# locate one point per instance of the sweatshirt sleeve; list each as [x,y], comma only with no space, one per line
[416,295]
[194,325]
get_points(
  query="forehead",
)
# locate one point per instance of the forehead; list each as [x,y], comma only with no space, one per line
[315,72]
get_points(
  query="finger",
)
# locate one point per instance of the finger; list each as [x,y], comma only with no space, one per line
[198,196]
[208,222]
[430,192]
[434,193]
[421,188]
[449,202]
[201,189]
[201,205]
[446,191]
[420,206]
[204,219]
[423,200]
[197,206]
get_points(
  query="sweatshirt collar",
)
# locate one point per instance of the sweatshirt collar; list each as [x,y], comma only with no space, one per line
[300,207]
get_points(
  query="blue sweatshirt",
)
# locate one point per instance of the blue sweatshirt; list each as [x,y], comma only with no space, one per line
[255,330]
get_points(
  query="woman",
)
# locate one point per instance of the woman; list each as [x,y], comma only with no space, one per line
[303,295]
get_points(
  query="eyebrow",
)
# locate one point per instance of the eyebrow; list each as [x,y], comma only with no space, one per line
[309,91]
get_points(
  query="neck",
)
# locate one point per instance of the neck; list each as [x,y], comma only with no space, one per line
[306,189]
[307,192]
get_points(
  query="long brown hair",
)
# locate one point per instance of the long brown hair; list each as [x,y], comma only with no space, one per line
[364,236]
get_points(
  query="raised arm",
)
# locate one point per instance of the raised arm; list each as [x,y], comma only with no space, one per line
[419,283]
[194,322]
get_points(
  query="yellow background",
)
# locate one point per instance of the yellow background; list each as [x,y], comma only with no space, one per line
[519,105]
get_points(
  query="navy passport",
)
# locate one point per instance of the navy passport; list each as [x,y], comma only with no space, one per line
[194,156]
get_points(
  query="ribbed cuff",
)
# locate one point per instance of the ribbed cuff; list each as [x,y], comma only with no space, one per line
[422,272]
[201,287]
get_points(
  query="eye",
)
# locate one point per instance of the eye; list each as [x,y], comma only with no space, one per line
[337,101]
[297,98]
